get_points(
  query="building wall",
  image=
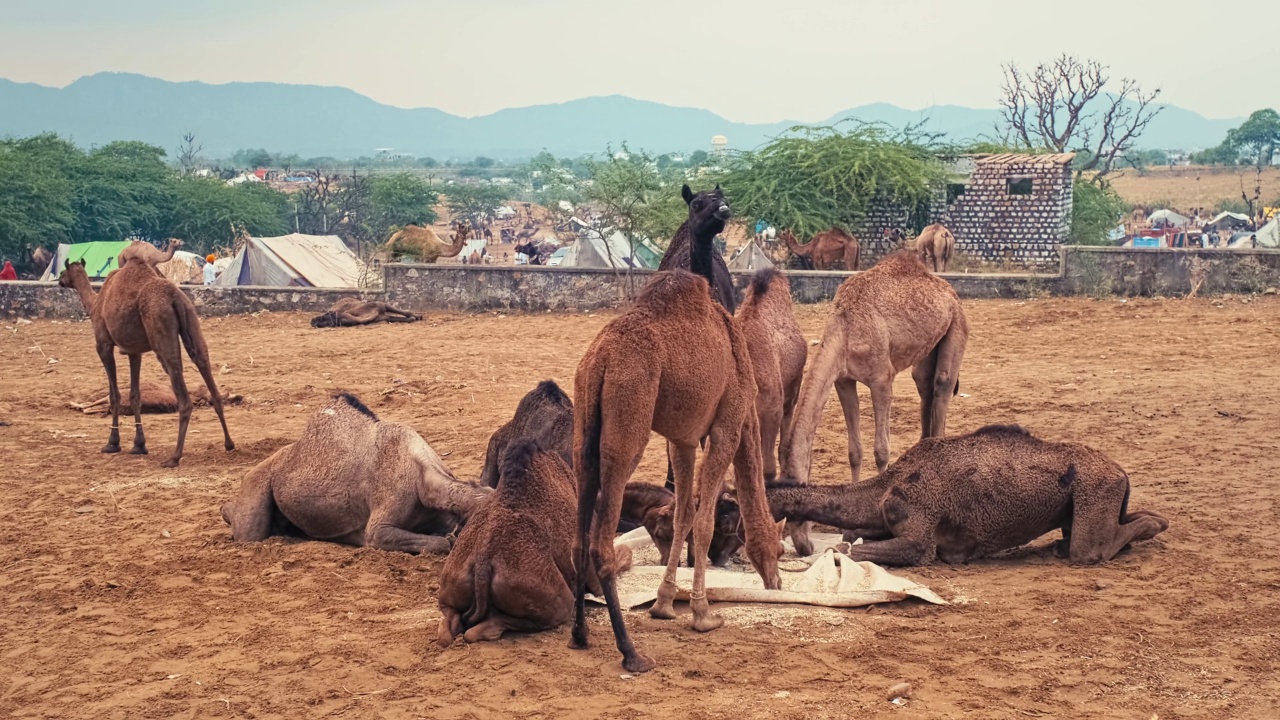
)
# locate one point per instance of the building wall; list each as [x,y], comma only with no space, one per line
[995,226]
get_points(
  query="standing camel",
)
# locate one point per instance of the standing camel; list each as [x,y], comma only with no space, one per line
[139,312]
[833,249]
[778,353]
[894,316]
[148,253]
[677,364]
[936,245]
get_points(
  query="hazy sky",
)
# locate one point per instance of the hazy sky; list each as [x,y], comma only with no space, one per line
[748,60]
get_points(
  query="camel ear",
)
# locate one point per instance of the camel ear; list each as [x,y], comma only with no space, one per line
[718,188]
[686,193]
[782,527]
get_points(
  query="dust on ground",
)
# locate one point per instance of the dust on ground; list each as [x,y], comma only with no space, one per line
[124,596]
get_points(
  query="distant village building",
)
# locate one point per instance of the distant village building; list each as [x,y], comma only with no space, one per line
[719,145]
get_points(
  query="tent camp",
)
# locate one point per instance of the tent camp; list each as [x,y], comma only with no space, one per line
[99,258]
[1167,217]
[1228,221]
[592,251]
[294,260]
[1268,236]
[750,257]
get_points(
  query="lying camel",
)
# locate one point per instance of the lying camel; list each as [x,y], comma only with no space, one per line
[969,496]
[935,245]
[512,568]
[156,398]
[348,312]
[356,480]
[544,414]
[653,507]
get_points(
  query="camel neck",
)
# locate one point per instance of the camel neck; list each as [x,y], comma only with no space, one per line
[855,505]
[700,262]
[86,293]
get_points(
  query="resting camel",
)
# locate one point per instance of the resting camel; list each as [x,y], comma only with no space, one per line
[645,504]
[894,316]
[139,312]
[674,363]
[512,568]
[833,249]
[354,479]
[348,312]
[935,245]
[544,414]
[423,243]
[970,496]
[156,398]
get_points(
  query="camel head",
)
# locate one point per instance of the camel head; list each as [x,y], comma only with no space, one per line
[765,552]
[326,319]
[708,211]
[71,272]
[461,231]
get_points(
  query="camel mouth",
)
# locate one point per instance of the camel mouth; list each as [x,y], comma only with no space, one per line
[723,212]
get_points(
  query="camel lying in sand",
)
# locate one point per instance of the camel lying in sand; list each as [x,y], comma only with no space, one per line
[512,568]
[544,414]
[156,398]
[349,312]
[356,480]
[969,496]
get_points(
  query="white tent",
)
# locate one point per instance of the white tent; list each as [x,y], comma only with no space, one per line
[1268,236]
[750,257]
[294,260]
[1168,217]
[593,251]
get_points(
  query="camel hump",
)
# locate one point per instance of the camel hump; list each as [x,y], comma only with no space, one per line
[1016,430]
[517,465]
[354,403]
[548,390]
[761,281]
[674,289]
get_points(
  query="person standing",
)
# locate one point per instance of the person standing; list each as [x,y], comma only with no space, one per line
[210,270]
[8,273]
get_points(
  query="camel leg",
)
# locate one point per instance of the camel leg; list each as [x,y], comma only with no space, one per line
[901,551]
[720,454]
[493,626]
[923,374]
[1097,533]
[172,364]
[450,625]
[946,374]
[107,353]
[790,395]
[682,460]
[752,501]
[604,529]
[770,419]
[383,536]
[881,399]
[847,392]
[250,512]
[135,399]
[201,360]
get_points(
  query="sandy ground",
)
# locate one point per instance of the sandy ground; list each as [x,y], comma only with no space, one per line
[123,596]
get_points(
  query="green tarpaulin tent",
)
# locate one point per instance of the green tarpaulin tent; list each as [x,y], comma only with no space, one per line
[99,258]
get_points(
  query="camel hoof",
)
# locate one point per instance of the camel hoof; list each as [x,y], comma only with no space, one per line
[638,663]
[663,610]
[109,448]
[138,450]
[1062,549]
[229,446]
[171,463]
[578,640]
[707,622]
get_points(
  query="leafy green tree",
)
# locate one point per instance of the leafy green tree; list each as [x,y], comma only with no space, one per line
[474,199]
[697,158]
[635,197]
[483,162]
[123,189]
[1220,155]
[35,203]
[1096,210]
[251,158]
[206,211]
[399,199]
[1258,137]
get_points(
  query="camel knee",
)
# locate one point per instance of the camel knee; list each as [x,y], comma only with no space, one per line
[943,381]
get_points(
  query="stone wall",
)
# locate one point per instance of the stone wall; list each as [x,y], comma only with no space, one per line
[993,225]
[1101,271]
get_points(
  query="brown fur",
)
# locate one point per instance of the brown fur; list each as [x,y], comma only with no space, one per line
[676,364]
[545,414]
[356,480]
[512,568]
[891,317]
[139,311]
[834,249]
[970,496]
[148,253]
[156,398]
[423,243]
[936,244]
[350,311]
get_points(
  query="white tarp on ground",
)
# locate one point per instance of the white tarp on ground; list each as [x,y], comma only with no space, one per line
[593,251]
[294,260]
[1168,217]
[750,257]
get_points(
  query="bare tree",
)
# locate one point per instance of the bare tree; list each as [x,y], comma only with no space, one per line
[1066,106]
[189,154]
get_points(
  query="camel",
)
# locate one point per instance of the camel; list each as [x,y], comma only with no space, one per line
[156,398]
[350,311]
[894,316]
[40,259]
[511,568]
[148,253]
[833,249]
[658,520]
[423,244]
[354,479]
[936,245]
[544,414]
[970,496]
[708,213]
[674,363]
[139,311]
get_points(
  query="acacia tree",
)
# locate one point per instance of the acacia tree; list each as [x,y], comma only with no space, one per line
[189,154]
[1257,138]
[1066,105]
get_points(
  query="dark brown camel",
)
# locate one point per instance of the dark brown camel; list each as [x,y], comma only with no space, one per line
[156,398]
[349,312]
[936,245]
[512,567]
[833,249]
[544,414]
[894,316]
[970,496]
[139,312]
[676,364]
[354,479]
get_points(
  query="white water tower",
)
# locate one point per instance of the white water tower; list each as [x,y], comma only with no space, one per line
[719,145]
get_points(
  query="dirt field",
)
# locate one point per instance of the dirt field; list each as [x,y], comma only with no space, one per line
[1186,187]
[123,596]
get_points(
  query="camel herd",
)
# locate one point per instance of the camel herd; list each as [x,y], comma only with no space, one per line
[535,533]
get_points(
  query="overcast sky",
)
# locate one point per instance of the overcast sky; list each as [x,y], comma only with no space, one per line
[749,60]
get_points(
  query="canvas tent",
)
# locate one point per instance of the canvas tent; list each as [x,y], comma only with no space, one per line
[750,257]
[294,260]
[594,252]
[1228,220]
[1268,236]
[1168,217]
[99,258]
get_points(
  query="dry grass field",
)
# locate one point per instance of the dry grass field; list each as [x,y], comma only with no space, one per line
[1187,187]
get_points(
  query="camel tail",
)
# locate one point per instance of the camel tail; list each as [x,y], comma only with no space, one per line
[189,330]
[1124,504]
[481,579]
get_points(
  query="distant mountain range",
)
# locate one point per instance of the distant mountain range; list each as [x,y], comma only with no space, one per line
[312,120]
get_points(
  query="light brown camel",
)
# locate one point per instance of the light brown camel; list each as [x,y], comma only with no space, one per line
[349,312]
[139,312]
[148,253]
[354,479]
[512,567]
[156,398]
[423,243]
[936,244]
[833,249]
[674,363]
[968,497]
[894,316]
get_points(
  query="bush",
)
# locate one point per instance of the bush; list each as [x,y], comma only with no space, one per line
[1095,211]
